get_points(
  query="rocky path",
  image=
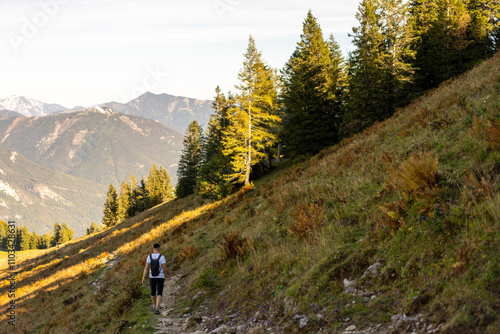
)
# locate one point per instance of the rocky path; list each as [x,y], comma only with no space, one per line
[168,323]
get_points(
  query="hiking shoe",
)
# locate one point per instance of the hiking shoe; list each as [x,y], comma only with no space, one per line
[157,311]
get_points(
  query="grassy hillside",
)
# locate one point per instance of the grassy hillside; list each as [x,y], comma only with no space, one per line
[418,194]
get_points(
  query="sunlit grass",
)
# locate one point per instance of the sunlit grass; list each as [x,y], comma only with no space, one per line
[418,193]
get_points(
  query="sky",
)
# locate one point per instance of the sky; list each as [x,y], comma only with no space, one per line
[85,52]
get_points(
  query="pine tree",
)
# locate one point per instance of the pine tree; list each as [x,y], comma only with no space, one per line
[312,92]
[110,208]
[253,118]
[380,69]
[485,19]
[92,229]
[167,189]
[56,239]
[453,36]
[215,165]
[141,197]
[3,235]
[46,241]
[35,241]
[66,233]
[158,186]
[190,161]
[124,201]
[23,238]
[134,192]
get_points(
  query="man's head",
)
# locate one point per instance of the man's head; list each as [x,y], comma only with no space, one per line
[156,246]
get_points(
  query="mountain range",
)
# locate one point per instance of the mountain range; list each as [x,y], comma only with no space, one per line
[97,144]
[175,112]
[53,157]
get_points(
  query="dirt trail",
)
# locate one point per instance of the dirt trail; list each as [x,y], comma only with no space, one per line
[167,321]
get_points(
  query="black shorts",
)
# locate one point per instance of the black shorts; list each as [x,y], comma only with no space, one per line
[156,285]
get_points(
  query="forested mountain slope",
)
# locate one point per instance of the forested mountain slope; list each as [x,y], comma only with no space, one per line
[418,195]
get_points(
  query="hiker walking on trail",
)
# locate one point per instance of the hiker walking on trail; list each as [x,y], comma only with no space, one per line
[156,265]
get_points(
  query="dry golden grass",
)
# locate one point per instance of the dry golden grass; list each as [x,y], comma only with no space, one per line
[307,219]
[232,246]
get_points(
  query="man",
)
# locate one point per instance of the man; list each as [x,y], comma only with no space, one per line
[156,282]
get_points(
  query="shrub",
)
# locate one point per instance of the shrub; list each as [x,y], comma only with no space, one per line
[233,245]
[188,252]
[418,177]
[307,219]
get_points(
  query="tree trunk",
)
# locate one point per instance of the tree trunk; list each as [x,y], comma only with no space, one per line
[249,160]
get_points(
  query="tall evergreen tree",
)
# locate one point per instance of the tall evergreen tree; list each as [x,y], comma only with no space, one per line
[252,120]
[35,241]
[312,92]
[158,186]
[110,208]
[380,67]
[167,189]
[46,241]
[67,233]
[441,27]
[4,227]
[124,201]
[190,161]
[215,165]
[57,235]
[484,28]
[23,238]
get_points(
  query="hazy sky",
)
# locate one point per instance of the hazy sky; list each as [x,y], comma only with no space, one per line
[76,52]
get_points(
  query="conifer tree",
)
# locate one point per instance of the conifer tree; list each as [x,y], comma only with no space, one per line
[158,186]
[4,227]
[441,27]
[379,68]
[167,189]
[67,233]
[110,208]
[215,165]
[23,238]
[35,241]
[312,92]
[190,161]
[46,241]
[484,29]
[134,188]
[92,229]
[253,118]
[124,201]
[56,238]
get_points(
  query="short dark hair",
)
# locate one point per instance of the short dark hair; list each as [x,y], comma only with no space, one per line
[156,246]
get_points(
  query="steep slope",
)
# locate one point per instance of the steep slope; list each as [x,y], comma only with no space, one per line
[416,199]
[29,107]
[38,197]
[97,144]
[175,112]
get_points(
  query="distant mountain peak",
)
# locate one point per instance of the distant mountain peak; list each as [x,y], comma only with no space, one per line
[29,107]
[175,112]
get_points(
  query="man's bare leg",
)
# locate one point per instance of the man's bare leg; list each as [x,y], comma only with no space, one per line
[153,298]
[158,301]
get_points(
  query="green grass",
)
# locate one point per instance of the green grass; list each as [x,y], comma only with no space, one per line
[305,227]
